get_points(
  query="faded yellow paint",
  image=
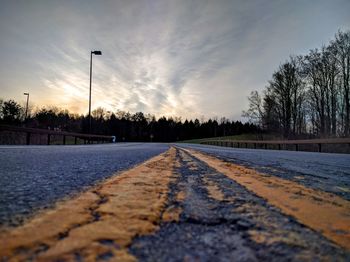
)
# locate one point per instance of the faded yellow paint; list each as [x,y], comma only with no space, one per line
[270,230]
[193,167]
[181,196]
[321,211]
[344,189]
[213,190]
[128,205]
[171,214]
[277,236]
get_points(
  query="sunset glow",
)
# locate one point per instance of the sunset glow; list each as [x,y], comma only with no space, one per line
[161,57]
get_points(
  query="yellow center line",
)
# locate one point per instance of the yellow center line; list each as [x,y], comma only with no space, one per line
[321,211]
[127,205]
[214,191]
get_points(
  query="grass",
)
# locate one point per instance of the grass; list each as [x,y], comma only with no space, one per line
[236,137]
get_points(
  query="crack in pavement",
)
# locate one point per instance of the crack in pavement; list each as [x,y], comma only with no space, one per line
[174,207]
[223,221]
[98,224]
[321,211]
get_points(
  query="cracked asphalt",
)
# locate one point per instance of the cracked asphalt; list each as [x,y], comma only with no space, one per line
[324,171]
[236,226]
[35,177]
[193,203]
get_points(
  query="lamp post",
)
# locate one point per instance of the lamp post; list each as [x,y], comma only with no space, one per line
[95,53]
[26,94]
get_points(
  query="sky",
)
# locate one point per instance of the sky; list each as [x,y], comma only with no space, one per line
[190,59]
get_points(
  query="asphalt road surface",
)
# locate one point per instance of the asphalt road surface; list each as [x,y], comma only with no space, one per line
[34,177]
[324,171]
[190,203]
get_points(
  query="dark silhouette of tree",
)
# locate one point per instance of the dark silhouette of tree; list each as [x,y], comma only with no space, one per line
[342,45]
[255,111]
[11,112]
[1,104]
[126,126]
[308,94]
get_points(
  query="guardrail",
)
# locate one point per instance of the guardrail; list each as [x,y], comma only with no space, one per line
[279,143]
[88,138]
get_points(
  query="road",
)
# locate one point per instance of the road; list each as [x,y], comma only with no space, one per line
[326,172]
[189,202]
[34,177]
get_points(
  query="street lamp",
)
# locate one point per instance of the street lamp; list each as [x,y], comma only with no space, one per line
[95,53]
[26,94]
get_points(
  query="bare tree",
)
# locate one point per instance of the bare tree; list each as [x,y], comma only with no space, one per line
[271,120]
[255,112]
[286,89]
[1,103]
[310,92]
[342,44]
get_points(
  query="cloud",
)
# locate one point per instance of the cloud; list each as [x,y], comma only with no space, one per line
[183,58]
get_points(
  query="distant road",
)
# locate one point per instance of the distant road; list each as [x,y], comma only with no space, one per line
[325,171]
[33,177]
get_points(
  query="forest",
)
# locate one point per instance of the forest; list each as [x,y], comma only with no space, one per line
[307,94]
[124,125]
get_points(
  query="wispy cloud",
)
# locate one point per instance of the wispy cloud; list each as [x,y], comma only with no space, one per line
[184,58]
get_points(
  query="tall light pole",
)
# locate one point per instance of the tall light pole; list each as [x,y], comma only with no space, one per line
[26,94]
[95,53]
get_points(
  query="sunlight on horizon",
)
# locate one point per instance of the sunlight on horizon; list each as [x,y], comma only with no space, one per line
[171,58]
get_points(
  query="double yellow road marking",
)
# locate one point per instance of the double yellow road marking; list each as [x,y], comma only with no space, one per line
[321,211]
[134,202]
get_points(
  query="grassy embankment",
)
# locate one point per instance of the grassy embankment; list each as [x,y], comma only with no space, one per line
[236,138]
[326,148]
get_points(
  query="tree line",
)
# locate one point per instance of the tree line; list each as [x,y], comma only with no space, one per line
[307,94]
[124,125]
